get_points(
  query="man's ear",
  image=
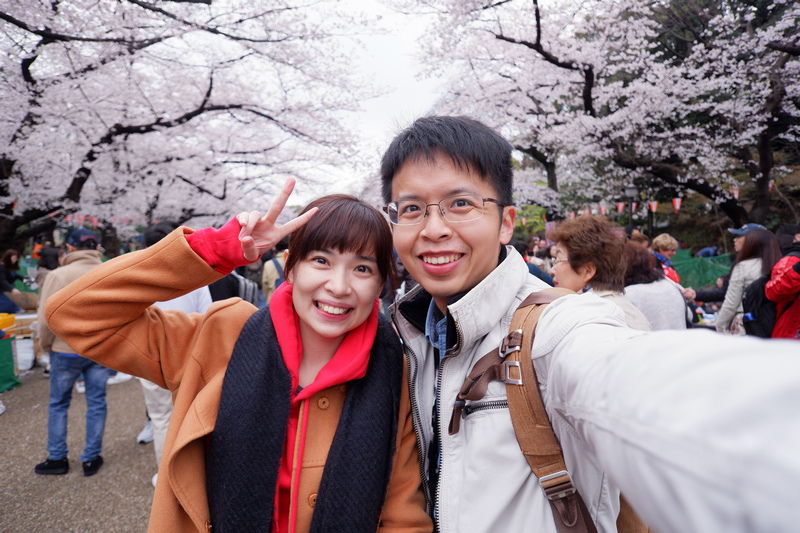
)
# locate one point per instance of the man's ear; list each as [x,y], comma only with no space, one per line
[507,224]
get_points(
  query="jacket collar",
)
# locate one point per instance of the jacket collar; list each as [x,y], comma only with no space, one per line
[87,256]
[794,247]
[663,260]
[474,314]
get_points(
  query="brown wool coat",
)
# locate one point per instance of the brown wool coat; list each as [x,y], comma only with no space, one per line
[106,316]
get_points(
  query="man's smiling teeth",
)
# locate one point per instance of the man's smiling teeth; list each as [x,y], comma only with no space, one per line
[440,260]
[332,310]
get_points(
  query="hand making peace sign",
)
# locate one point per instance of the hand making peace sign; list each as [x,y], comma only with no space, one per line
[260,234]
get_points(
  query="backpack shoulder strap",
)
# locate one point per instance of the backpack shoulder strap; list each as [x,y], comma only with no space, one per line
[532,427]
[278,266]
[531,424]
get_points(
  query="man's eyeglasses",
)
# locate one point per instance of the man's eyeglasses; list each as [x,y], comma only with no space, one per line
[462,208]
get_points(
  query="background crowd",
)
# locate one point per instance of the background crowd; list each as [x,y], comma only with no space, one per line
[587,255]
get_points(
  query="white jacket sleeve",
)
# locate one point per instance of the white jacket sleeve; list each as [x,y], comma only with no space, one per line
[700,431]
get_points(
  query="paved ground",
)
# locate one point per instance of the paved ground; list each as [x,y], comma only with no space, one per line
[116,499]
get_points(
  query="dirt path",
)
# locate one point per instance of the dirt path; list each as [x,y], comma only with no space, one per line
[117,498]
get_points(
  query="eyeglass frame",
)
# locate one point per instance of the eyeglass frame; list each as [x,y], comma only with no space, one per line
[441,209]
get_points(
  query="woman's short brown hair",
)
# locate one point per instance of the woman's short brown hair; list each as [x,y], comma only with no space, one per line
[642,266]
[344,224]
[592,239]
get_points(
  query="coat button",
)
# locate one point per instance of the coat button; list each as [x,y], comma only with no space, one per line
[312,500]
[323,403]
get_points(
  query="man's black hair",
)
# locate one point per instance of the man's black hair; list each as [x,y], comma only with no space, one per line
[156,232]
[470,144]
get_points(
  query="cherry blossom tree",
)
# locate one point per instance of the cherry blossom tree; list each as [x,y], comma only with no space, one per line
[141,110]
[692,94]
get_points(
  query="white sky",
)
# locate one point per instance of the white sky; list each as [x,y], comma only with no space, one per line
[390,61]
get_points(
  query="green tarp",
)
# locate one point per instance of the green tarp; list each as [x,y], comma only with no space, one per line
[8,375]
[700,271]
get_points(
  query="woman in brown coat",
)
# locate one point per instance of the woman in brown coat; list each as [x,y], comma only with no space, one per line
[292,418]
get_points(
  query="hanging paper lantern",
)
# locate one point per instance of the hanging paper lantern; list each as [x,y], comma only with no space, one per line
[676,202]
[544,217]
[603,209]
[524,221]
[620,207]
[635,205]
[654,206]
[586,212]
[735,191]
[572,214]
[771,183]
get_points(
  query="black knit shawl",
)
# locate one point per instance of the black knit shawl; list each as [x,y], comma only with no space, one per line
[247,442]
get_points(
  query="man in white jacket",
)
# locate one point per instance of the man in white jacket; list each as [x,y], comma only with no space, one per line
[698,431]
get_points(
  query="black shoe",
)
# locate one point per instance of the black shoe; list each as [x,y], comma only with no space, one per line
[90,468]
[53,467]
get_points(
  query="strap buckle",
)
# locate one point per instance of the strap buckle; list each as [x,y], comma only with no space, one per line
[507,373]
[504,350]
[558,490]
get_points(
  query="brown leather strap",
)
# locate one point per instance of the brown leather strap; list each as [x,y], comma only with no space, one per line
[534,433]
[475,385]
[490,367]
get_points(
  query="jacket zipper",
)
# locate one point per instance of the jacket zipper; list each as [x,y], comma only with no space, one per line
[483,406]
[415,417]
[422,446]
[456,350]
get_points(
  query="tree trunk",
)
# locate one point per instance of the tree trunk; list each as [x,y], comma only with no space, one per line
[547,162]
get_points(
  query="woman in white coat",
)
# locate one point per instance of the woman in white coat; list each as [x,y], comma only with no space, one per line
[760,252]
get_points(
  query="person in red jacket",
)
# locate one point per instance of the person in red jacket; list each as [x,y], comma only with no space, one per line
[784,288]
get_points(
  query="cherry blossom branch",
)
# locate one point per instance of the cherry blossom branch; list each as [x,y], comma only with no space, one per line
[204,190]
[585,69]
[49,36]
[205,27]
[793,49]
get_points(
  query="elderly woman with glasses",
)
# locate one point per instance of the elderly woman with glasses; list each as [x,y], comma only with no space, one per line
[590,257]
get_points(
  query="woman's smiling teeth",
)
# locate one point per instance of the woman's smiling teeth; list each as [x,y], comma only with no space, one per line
[331,309]
[440,260]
